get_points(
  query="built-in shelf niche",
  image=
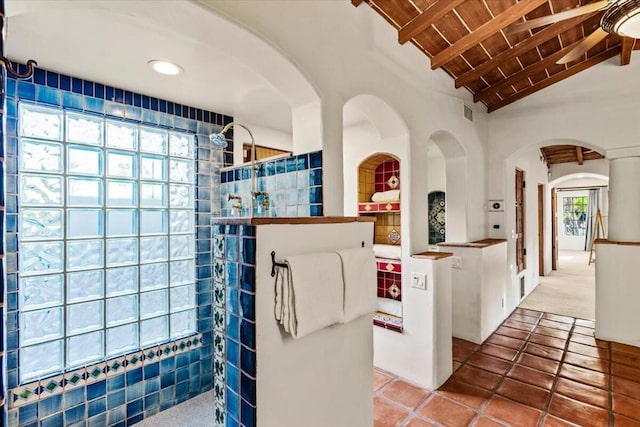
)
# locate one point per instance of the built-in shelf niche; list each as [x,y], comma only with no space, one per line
[378,175]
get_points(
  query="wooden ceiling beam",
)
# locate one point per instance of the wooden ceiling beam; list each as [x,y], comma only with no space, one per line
[524,46]
[356,3]
[485,31]
[581,66]
[579,155]
[627,47]
[425,19]
[544,155]
[524,73]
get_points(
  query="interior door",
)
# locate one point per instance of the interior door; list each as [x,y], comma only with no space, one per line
[520,249]
[554,229]
[540,229]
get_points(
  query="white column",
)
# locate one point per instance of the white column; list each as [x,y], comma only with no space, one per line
[624,199]
[617,268]
[418,188]
[332,158]
[319,126]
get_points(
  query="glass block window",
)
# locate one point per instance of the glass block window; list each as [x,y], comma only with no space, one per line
[574,215]
[106,241]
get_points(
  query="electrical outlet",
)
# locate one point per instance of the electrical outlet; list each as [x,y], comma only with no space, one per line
[456,262]
[418,281]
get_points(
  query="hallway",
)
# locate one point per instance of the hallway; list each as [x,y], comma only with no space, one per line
[537,369]
[568,291]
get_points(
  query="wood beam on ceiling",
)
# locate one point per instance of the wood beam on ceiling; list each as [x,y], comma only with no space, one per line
[544,155]
[524,73]
[628,44]
[579,154]
[522,47]
[581,66]
[356,3]
[425,19]
[485,31]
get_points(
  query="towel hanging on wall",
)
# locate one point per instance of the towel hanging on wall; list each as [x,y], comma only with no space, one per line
[309,293]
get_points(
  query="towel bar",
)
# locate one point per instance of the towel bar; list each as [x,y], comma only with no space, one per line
[275,264]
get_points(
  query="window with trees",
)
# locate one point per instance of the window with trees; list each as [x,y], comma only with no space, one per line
[574,214]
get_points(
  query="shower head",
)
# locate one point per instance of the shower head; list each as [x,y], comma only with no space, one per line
[217,139]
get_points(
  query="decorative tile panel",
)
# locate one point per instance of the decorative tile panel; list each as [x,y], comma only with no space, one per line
[437,217]
[234,324]
[111,393]
[387,175]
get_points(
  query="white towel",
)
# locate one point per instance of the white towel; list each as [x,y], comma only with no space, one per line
[360,282]
[309,293]
[386,196]
[388,251]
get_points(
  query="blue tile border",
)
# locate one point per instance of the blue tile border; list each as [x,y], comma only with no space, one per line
[235,329]
[111,393]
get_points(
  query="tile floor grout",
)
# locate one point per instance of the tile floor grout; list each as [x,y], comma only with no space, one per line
[513,370]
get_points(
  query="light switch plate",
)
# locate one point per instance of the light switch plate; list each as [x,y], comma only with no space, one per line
[456,262]
[418,281]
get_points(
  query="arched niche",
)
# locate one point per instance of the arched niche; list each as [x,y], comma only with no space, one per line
[453,155]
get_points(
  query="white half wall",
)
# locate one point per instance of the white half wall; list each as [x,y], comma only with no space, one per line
[618,293]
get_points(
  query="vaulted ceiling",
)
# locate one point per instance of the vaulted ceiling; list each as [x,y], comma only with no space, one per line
[472,42]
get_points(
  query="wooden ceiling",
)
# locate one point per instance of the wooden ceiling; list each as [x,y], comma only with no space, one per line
[467,39]
[568,154]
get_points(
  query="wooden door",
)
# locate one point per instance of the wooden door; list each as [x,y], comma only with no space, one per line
[540,230]
[520,249]
[554,229]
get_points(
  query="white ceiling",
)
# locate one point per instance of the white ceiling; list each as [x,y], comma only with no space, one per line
[112,41]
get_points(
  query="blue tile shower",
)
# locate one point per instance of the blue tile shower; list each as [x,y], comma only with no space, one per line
[126,389]
[294,185]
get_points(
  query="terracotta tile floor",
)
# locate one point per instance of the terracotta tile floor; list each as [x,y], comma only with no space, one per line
[537,369]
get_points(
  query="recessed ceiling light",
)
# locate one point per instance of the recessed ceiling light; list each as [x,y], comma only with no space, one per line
[165,67]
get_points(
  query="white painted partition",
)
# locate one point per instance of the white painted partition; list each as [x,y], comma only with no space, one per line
[479,288]
[325,378]
[421,353]
[617,291]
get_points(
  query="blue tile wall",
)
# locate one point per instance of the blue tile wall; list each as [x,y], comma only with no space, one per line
[234,248]
[124,390]
[294,185]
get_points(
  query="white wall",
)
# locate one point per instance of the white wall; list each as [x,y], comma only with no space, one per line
[436,167]
[293,387]
[422,352]
[479,289]
[617,293]
[535,171]
[590,168]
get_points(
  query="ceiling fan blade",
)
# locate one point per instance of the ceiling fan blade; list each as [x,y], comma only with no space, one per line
[587,43]
[551,19]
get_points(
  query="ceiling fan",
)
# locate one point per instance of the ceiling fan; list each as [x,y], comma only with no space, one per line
[621,17]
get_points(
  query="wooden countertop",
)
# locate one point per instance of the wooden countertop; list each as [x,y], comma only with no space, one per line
[432,255]
[291,220]
[614,242]
[477,244]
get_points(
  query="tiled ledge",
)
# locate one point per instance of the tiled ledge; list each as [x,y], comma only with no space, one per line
[291,220]
[387,321]
[53,385]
